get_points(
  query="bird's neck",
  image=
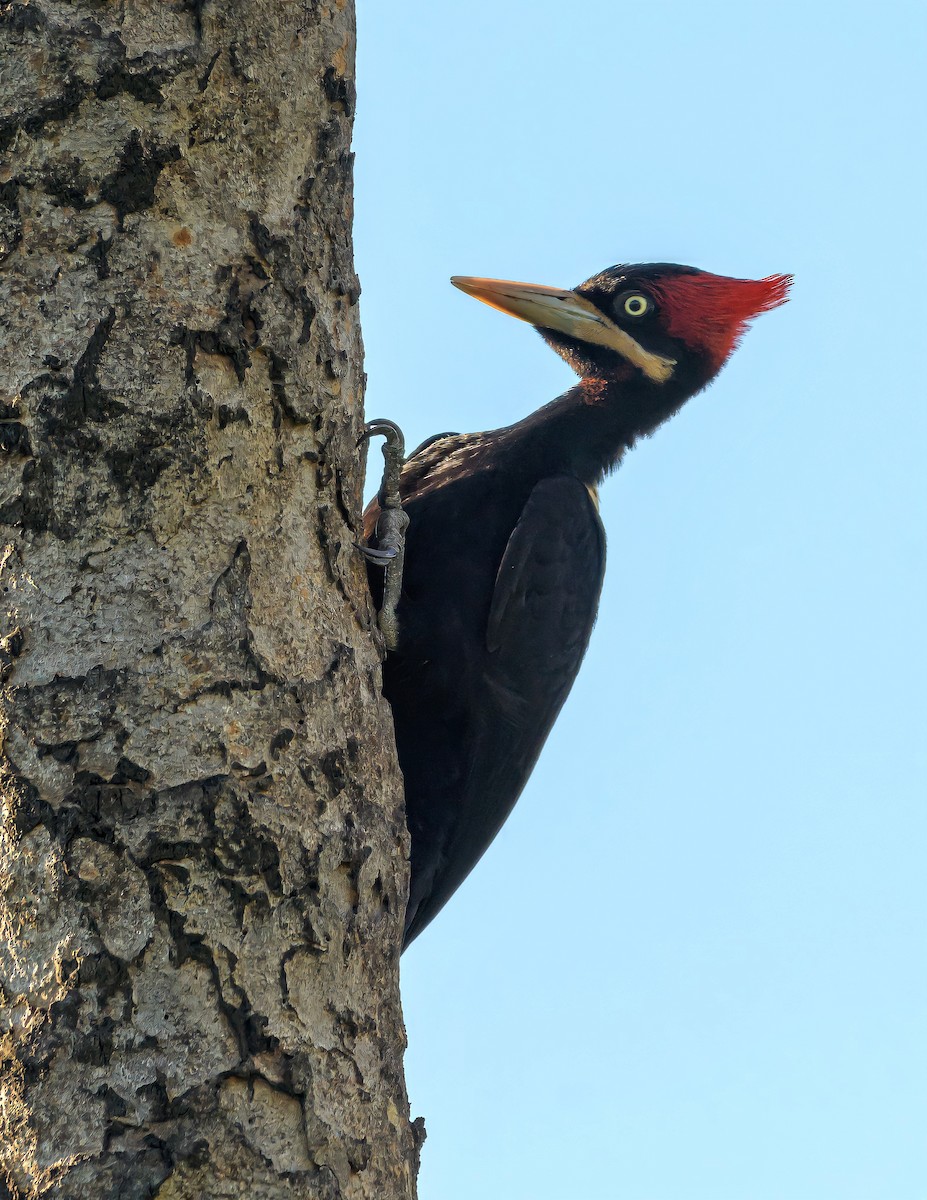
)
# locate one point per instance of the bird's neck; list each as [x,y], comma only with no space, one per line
[584,432]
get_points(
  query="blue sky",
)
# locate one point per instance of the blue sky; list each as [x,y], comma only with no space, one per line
[693,966]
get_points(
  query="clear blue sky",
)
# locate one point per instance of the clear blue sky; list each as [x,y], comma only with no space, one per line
[694,964]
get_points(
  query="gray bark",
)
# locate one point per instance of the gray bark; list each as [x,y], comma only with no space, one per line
[202,856]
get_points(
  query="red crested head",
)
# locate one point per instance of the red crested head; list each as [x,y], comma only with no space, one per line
[710,312]
[642,337]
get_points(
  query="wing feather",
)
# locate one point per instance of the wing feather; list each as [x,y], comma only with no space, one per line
[544,605]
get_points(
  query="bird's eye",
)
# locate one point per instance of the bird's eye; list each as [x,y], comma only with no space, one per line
[634,304]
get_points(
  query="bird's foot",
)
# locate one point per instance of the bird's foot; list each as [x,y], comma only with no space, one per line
[379,558]
[389,552]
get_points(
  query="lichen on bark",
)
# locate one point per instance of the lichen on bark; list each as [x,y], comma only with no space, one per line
[203,850]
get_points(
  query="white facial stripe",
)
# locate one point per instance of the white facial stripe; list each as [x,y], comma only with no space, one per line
[596,327]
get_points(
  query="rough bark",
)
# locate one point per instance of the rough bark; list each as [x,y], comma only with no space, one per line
[202,864]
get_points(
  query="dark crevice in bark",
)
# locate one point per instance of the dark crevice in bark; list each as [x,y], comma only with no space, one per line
[56,108]
[11,225]
[131,187]
[84,400]
[339,90]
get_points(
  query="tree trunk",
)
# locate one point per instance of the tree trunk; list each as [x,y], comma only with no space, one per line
[203,849]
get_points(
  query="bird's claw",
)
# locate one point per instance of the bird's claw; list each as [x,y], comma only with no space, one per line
[391,526]
[379,558]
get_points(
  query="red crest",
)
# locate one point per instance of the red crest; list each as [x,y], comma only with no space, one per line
[711,312]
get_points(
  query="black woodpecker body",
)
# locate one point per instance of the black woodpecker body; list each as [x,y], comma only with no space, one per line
[505,552]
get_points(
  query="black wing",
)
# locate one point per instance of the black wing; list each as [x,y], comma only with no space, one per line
[543,609]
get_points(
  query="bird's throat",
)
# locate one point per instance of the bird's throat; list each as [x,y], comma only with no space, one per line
[584,432]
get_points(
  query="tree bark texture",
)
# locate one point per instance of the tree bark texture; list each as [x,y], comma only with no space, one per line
[202,858]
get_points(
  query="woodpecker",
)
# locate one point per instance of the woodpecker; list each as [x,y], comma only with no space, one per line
[504,551]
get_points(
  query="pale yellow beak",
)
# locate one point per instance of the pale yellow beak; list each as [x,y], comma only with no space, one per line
[565,312]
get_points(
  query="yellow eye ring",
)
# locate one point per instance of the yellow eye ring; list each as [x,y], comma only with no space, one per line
[636,305]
